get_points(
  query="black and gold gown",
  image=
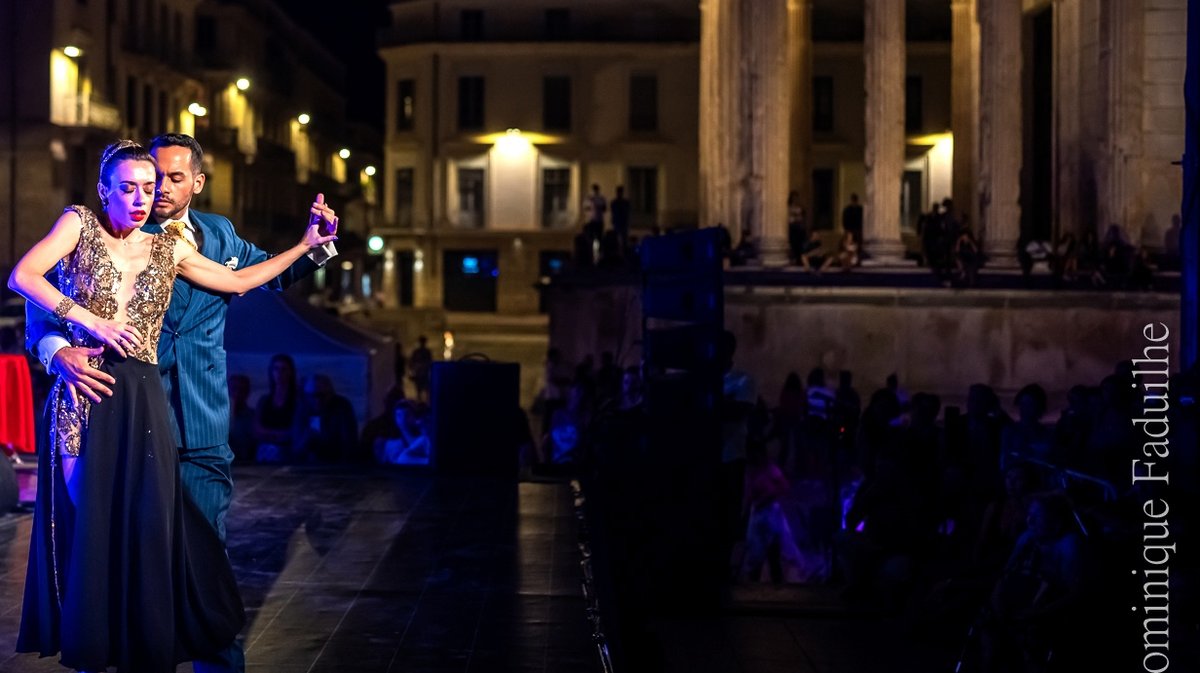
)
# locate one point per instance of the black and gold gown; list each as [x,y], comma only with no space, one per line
[134,576]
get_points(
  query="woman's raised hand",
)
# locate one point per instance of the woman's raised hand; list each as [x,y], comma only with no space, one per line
[322,224]
[119,336]
[313,237]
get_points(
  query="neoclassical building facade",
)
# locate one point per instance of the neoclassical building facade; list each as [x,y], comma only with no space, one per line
[1037,117]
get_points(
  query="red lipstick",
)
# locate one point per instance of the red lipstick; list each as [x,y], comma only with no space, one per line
[137,215]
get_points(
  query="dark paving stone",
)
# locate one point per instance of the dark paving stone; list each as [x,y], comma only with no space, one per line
[430,660]
[378,571]
[513,661]
[28,663]
[368,570]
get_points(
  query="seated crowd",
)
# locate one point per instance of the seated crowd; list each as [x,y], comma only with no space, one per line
[308,422]
[945,516]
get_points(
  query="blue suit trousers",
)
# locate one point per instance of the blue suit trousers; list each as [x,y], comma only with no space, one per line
[208,477]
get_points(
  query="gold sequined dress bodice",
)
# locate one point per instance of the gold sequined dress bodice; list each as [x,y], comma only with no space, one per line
[89,277]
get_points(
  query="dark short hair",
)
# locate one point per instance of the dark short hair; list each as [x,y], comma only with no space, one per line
[816,377]
[122,150]
[1036,394]
[181,140]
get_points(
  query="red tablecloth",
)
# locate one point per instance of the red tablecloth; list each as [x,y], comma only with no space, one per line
[16,404]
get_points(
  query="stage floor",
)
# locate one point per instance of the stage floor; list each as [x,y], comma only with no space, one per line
[372,570]
[365,570]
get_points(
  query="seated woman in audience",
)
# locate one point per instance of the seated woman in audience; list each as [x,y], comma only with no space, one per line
[847,255]
[1066,257]
[409,444]
[276,411]
[813,254]
[967,257]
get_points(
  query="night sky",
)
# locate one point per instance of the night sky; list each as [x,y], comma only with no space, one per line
[348,29]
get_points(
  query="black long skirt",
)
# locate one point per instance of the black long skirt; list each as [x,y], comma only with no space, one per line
[134,576]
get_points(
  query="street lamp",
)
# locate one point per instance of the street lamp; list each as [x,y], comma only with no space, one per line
[72,51]
[242,84]
[197,109]
[344,153]
[303,118]
[369,170]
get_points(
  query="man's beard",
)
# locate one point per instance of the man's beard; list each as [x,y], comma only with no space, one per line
[172,212]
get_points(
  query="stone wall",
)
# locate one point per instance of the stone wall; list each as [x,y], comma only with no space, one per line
[938,341]
[942,342]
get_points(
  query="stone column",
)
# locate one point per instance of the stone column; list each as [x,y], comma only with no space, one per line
[744,115]
[1122,66]
[1000,133]
[799,73]
[885,67]
[719,45]
[765,30]
[964,105]
[1067,118]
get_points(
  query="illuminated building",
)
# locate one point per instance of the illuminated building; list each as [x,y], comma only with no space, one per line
[1036,117]
[236,74]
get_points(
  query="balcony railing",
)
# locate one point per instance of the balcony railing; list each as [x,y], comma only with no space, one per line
[420,22]
[84,111]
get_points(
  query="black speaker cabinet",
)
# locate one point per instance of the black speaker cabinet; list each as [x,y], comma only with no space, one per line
[9,490]
[476,412]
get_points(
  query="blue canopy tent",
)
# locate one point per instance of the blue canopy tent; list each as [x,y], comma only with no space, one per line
[262,323]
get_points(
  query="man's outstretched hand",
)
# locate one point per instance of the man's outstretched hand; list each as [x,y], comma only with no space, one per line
[81,378]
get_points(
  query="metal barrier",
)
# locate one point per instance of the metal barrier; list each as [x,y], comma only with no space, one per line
[588,578]
[1064,476]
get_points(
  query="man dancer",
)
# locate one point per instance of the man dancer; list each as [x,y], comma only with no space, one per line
[191,353]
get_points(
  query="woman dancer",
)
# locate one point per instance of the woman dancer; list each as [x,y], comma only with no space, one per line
[123,568]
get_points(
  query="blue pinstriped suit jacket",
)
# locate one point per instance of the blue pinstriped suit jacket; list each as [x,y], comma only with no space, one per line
[191,351]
